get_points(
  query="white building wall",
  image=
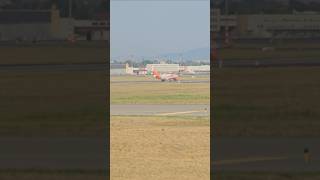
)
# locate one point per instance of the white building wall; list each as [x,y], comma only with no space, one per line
[163,67]
[219,20]
[26,32]
[279,22]
[118,71]
[95,34]
[203,68]
[66,26]
[263,25]
[129,70]
[100,35]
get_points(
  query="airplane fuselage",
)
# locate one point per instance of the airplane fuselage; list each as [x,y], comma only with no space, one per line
[165,76]
[169,77]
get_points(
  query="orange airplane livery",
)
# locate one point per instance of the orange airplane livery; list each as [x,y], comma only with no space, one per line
[165,76]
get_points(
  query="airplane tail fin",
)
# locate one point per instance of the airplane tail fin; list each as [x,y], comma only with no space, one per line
[156,74]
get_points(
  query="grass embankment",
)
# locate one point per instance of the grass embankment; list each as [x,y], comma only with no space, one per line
[52,104]
[159,92]
[266,102]
[53,54]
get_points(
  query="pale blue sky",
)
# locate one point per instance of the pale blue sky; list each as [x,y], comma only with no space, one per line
[152,27]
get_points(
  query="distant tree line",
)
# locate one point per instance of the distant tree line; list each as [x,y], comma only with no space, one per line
[143,63]
[266,6]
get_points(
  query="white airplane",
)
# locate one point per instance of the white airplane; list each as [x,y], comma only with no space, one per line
[165,76]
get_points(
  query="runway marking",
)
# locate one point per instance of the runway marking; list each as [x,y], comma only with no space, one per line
[176,113]
[248,160]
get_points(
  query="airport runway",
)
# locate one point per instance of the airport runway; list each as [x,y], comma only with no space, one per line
[160,110]
[103,66]
[54,67]
[265,154]
[268,63]
[157,81]
[53,153]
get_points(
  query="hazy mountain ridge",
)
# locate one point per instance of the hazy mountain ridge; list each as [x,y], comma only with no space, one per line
[190,55]
[194,54]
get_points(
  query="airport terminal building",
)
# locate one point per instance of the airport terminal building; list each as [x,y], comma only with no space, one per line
[25,25]
[46,25]
[295,25]
[163,68]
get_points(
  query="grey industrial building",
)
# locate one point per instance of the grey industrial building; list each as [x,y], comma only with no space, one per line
[295,25]
[30,25]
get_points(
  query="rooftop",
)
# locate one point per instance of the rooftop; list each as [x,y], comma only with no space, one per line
[24,16]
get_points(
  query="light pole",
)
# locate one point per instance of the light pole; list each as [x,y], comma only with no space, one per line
[70,8]
[226,12]
[72,35]
[226,7]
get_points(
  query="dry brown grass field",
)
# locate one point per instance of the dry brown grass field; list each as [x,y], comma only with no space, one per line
[275,102]
[51,103]
[266,102]
[157,148]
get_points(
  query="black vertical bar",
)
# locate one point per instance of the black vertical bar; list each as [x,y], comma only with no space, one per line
[212,60]
[108,95]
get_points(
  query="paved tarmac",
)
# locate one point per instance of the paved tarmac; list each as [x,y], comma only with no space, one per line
[103,66]
[158,81]
[53,153]
[54,67]
[265,154]
[268,63]
[161,110]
